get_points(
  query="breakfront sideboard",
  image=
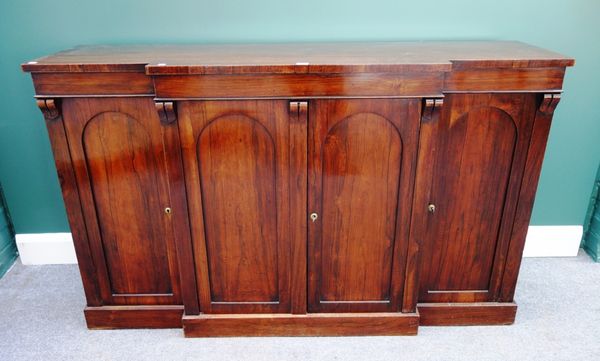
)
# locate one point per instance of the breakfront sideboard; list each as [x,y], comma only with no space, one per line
[299,189]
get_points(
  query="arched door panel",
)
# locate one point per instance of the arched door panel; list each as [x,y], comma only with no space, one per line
[361,163]
[236,159]
[118,154]
[480,143]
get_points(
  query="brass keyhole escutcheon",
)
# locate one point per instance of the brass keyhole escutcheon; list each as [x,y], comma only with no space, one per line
[168,210]
[313,217]
[431,208]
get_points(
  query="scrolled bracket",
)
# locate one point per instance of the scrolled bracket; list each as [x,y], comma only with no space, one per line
[549,103]
[166,112]
[431,107]
[298,111]
[49,107]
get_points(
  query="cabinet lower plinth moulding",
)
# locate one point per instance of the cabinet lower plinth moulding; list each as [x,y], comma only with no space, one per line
[299,189]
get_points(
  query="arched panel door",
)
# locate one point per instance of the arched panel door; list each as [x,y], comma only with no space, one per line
[361,162]
[472,160]
[236,158]
[118,154]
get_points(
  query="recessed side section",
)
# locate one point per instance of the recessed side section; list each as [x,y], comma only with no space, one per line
[480,146]
[236,155]
[474,180]
[92,84]
[117,317]
[503,79]
[119,159]
[467,314]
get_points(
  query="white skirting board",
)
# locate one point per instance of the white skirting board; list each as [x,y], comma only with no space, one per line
[553,241]
[57,248]
[45,248]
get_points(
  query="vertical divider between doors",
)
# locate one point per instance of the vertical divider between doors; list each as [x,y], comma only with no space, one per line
[298,130]
[426,153]
[167,112]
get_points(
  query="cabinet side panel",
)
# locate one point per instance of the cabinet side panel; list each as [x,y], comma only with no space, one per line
[533,168]
[70,192]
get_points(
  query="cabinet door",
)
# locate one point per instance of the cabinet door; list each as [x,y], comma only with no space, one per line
[236,159]
[471,162]
[362,156]
[118,154]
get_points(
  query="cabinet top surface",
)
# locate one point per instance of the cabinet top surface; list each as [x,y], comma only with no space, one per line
[299,58]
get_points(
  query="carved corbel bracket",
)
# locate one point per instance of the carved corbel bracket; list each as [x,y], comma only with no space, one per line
[50,108]
[166,112]
[431,106]
[298,111]
[549,103]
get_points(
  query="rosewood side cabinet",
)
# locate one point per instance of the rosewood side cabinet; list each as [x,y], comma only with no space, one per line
[299,189]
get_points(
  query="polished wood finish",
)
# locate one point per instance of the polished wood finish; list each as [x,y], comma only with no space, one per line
[466,314]
[190,173]
[166,112]
[315,324]
[178,205]
[115,317]
[473,183]
[349,57]
[362,155]
[70,193]
[236,157]
[117,154]
[298,205]
[533,167]
[49,108]
[92,84]
[504,80]
[431,109]
[299,86]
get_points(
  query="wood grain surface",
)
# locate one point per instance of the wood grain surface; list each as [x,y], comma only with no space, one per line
[118,157]
[349,57]
[362,156]
[474,179]
[236,156]
[299,189]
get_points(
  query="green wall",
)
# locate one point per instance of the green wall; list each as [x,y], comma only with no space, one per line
[31,29]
